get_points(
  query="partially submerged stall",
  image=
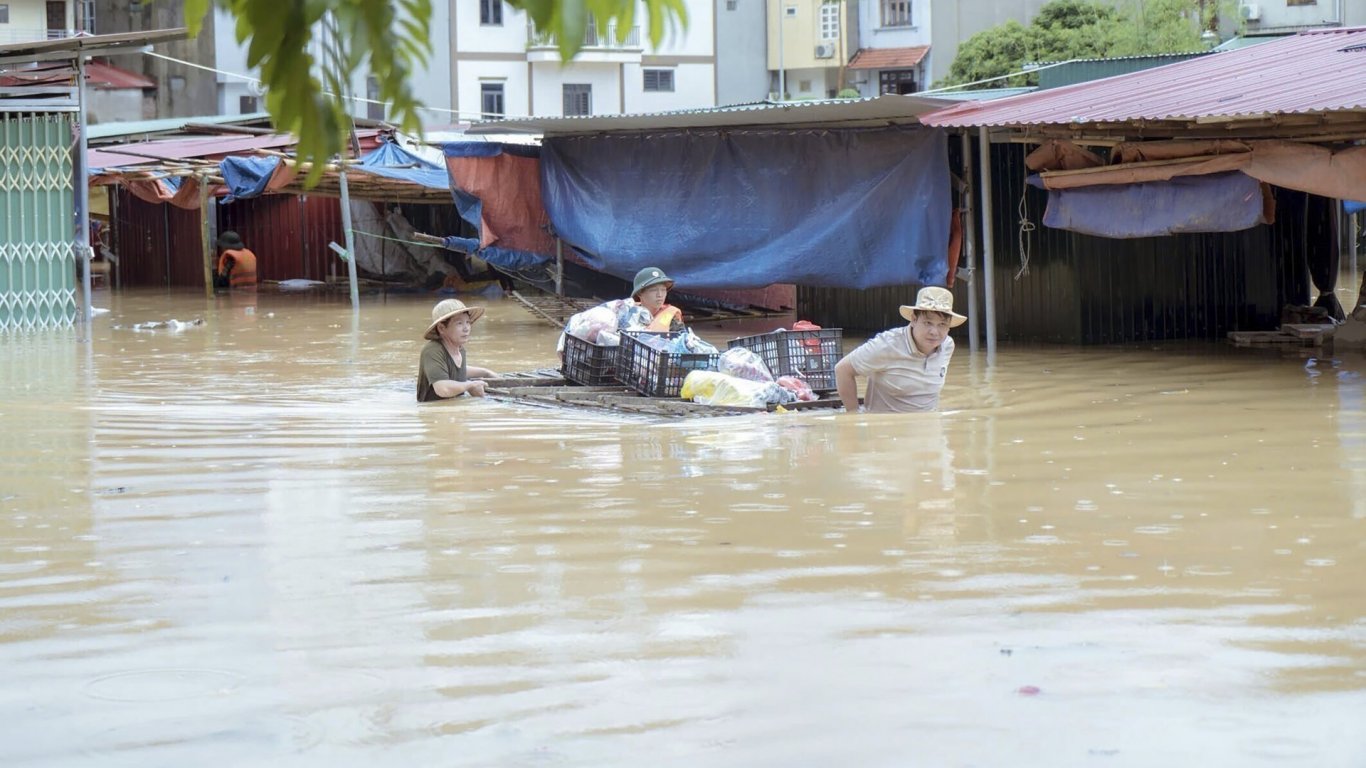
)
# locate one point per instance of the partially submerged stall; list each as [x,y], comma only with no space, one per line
[1188,200]
[755,198]
[169,192]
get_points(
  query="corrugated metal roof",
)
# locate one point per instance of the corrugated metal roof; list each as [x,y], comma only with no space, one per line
[1312,72]
[888,58]
[97,75]
[150,152]
[169,124]
[109,76]
[879,110]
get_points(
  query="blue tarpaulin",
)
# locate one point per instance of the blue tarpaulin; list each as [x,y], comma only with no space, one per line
[394,162]
[1222,202]
[1353,206]
[246,177]
[496,188]
[742,209]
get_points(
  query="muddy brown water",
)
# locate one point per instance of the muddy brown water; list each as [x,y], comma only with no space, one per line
[243,543]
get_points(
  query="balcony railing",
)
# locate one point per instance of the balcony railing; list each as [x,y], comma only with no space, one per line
[8,35]
[591,38]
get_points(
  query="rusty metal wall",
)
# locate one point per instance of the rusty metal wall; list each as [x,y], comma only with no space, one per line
[158,245]
[1081,289]
[288,234]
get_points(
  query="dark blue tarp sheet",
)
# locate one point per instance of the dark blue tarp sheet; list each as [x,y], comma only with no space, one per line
[1222,202]
[246,177]
[394,162]
[1353,206]
[743,209]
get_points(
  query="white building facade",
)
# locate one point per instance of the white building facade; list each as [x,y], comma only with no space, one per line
[499,65]
[489,62]
[23,21]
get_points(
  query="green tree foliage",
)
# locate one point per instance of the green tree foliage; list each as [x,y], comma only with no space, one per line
[308,50]
[1079,29]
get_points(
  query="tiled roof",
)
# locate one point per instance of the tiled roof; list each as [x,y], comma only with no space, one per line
[888,58]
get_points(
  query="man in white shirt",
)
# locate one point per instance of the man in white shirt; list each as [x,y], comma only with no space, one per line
[906,366]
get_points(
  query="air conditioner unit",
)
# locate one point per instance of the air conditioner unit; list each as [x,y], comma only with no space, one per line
[825,50]
[1250,11]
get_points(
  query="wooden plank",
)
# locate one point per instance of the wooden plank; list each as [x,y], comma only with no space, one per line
[1251,338]
[1307,330]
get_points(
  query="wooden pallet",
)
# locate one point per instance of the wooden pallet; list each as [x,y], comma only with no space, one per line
[1294,334]
[545,387]
[555,310]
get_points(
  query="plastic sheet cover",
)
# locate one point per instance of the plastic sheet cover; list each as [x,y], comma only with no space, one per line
[497,190]
[855,208]
[1226,202]
[246,177]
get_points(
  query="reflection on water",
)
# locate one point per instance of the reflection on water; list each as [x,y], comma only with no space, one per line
[242,542]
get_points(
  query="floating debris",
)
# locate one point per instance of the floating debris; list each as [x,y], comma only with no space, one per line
[172,325]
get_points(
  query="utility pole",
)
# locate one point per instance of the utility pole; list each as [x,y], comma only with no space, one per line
[782,72]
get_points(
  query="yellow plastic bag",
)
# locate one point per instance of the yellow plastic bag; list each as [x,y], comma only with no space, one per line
[713,388]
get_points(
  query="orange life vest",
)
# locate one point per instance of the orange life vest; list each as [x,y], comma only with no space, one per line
[665,319]
[240,266]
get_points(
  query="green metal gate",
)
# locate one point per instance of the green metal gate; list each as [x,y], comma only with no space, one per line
[37,222]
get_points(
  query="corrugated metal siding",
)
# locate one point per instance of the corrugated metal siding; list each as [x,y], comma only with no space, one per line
[875,309]
[1072,72]
[1092,290]
[288,234]
[158,244]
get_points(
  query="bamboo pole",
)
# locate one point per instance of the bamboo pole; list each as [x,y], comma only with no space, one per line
[204,237]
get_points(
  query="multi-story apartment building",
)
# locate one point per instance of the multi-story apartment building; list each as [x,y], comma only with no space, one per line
[810,43]
[489,61]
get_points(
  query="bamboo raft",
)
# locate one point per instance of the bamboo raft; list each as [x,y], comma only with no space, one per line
[546,387]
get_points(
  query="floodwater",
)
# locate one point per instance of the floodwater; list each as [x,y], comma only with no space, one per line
[243,543]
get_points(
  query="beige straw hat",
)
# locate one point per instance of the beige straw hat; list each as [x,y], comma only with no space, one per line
[932,298]
[445,310]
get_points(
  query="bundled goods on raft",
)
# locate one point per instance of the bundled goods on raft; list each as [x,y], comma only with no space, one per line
[655,364]
[808,352]
[716,388]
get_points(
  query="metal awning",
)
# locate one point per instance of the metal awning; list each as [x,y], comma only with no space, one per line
[829,113]
[87,45]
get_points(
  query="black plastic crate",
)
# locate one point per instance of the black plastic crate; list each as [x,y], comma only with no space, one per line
[655,373]
[589,364]
[809,355]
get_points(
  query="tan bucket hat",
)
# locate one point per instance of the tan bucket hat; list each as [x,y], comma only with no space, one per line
[445,310]
[932,298]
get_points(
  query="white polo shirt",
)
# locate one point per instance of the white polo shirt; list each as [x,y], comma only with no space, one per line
[900,379]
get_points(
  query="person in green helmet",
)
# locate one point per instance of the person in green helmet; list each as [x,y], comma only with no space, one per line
[650,291]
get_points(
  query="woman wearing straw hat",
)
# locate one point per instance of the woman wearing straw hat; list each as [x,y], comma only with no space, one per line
[444,370]
[905,366]
[236,263]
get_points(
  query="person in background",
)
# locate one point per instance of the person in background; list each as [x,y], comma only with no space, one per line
[906,366]
[651,291]
[236,263]
[443,369]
